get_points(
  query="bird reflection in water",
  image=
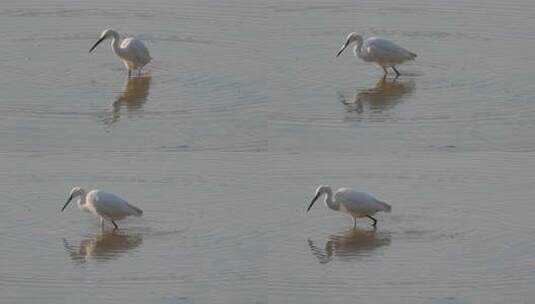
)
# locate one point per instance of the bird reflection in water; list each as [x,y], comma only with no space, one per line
[349,245]
[103,246]
[383,96]
[134,95]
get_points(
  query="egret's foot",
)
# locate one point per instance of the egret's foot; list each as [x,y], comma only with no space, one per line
[373,219]
[114,224]
[395,70]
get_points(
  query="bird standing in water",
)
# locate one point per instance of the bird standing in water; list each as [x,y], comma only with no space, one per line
[383,52]
[102,204]
[356,204]
[133,53]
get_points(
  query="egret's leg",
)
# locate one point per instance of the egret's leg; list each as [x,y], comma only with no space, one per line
[354,222]
[395,70]
[373,219]
[114,224]
[386,71]
[129,73]
[101,223]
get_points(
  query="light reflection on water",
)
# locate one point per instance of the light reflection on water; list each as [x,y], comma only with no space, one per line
[349,245]
[103,246]
[386,94]
[132,98]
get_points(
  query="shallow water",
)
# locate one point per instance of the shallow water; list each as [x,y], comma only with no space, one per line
[221,142]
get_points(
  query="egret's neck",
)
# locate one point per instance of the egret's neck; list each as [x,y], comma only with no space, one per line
[329,200]
[116,44]
[81,201]
[357,48]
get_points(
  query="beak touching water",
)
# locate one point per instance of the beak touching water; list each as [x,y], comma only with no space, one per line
[343,48]
[97,43]
[313,201]
[67,203]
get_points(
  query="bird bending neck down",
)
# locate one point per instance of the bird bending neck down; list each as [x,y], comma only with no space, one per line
[133,52]
[321,190]
[106,206]
[383,52]
[356,204]
[352,37]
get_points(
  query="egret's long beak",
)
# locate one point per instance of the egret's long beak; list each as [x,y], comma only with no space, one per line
[343,48]
[97,43]
[313,201]
[67,203]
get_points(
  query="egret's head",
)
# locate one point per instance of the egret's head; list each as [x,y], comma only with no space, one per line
[352,37]
[75,192]
[106,34]
[319,191]
[322,189]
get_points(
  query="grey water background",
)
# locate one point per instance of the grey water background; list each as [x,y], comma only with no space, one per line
[242,113]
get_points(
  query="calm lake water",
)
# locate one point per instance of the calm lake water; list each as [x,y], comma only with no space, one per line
[242,113]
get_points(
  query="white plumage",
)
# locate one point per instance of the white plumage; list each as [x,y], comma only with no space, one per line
[103,204]
[356,204]
[383,52]
[133,53]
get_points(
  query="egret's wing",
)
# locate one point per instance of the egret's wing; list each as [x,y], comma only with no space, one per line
[360,202]
[137,51]
[383,50]
[137,211]
[113,206]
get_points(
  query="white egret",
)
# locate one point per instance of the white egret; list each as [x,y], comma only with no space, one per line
[103,204]
[133,53]
[384,52]
[357,204]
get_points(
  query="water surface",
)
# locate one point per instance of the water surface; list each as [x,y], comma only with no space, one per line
[242,113]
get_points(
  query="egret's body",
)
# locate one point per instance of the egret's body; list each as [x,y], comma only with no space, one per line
[105,205]
[356,204]
[383,52]
[133,53]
